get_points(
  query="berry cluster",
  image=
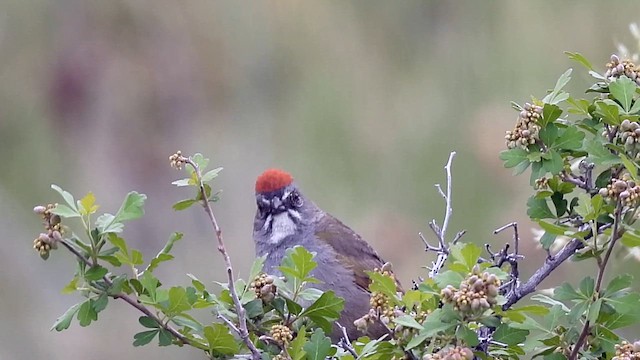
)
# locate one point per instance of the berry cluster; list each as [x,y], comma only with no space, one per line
[626,351]
[454,353]
[616,68]
[526,131]
[281,334]
[177,160]
[625,189]
[477,293]
[264,287]
[48,240]
[630,135]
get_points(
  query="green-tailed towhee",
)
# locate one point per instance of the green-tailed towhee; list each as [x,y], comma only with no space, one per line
[286,218]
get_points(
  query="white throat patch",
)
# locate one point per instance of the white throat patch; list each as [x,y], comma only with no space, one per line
[281,226]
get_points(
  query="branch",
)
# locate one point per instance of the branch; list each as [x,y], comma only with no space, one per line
[549,265]
[143,309]
[441,232]
[242,319]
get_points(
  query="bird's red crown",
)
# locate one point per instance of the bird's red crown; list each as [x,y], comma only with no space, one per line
[272,179]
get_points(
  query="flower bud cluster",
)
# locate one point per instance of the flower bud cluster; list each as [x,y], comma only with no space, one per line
[630,135]
[177,160]
[477,293]
[541,183]
[281,334]
[264,287]
[625,189]
[49,239]
[380,306]
[526,131]
[617,68]
[626,351]
[453,353]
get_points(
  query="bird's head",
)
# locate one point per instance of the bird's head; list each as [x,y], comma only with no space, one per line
[282,209]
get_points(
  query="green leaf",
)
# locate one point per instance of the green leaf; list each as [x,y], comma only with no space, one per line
[538,209]
[183,182]
[553,228]
[609,110]
[100,303]
[184,204]
[594,311]
[132,207]
[550,113]
[617,284]
[467,335]
[587,287]
[143,338]
[327,308]
[68,198]
[200,160]
[548,134]
[150,283]
[508,335]
[256,267]
[318,347]
[220,339]
[407,321]
[148,322]
[211,174]
[599,154]
[554,164]
[448,277]
[65,211]
[580,59]
[63,322]
[178,301]
[630,239]
[383,284]
[623,90]
[570,139]
[296,345]
[298,263]
[631,166]
[557,95]
[86,313]
[157,260]
[95,273]
[71,287]
[566,292]
[580,106]
[467,254]
[136,257]
[188,322]
[106,224]
[514,157]
[87,205]
[165,338]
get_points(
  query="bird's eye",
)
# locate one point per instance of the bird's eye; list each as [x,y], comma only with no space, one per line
[295,200]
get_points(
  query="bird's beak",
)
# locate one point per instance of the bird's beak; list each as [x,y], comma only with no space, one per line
[277,205]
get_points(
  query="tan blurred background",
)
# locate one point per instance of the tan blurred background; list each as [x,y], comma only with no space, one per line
[361,101]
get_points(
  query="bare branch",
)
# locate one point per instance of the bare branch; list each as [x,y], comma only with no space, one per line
[344,342]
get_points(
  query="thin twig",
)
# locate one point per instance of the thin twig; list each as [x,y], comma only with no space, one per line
[441,232]
[242,330]
[602,267]
[143,309]
[344,342]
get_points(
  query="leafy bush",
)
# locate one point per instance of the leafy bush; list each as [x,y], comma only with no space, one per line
[583,155]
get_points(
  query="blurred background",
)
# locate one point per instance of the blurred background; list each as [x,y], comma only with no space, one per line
[361,101]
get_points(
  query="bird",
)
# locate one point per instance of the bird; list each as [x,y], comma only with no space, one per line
[285,217]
